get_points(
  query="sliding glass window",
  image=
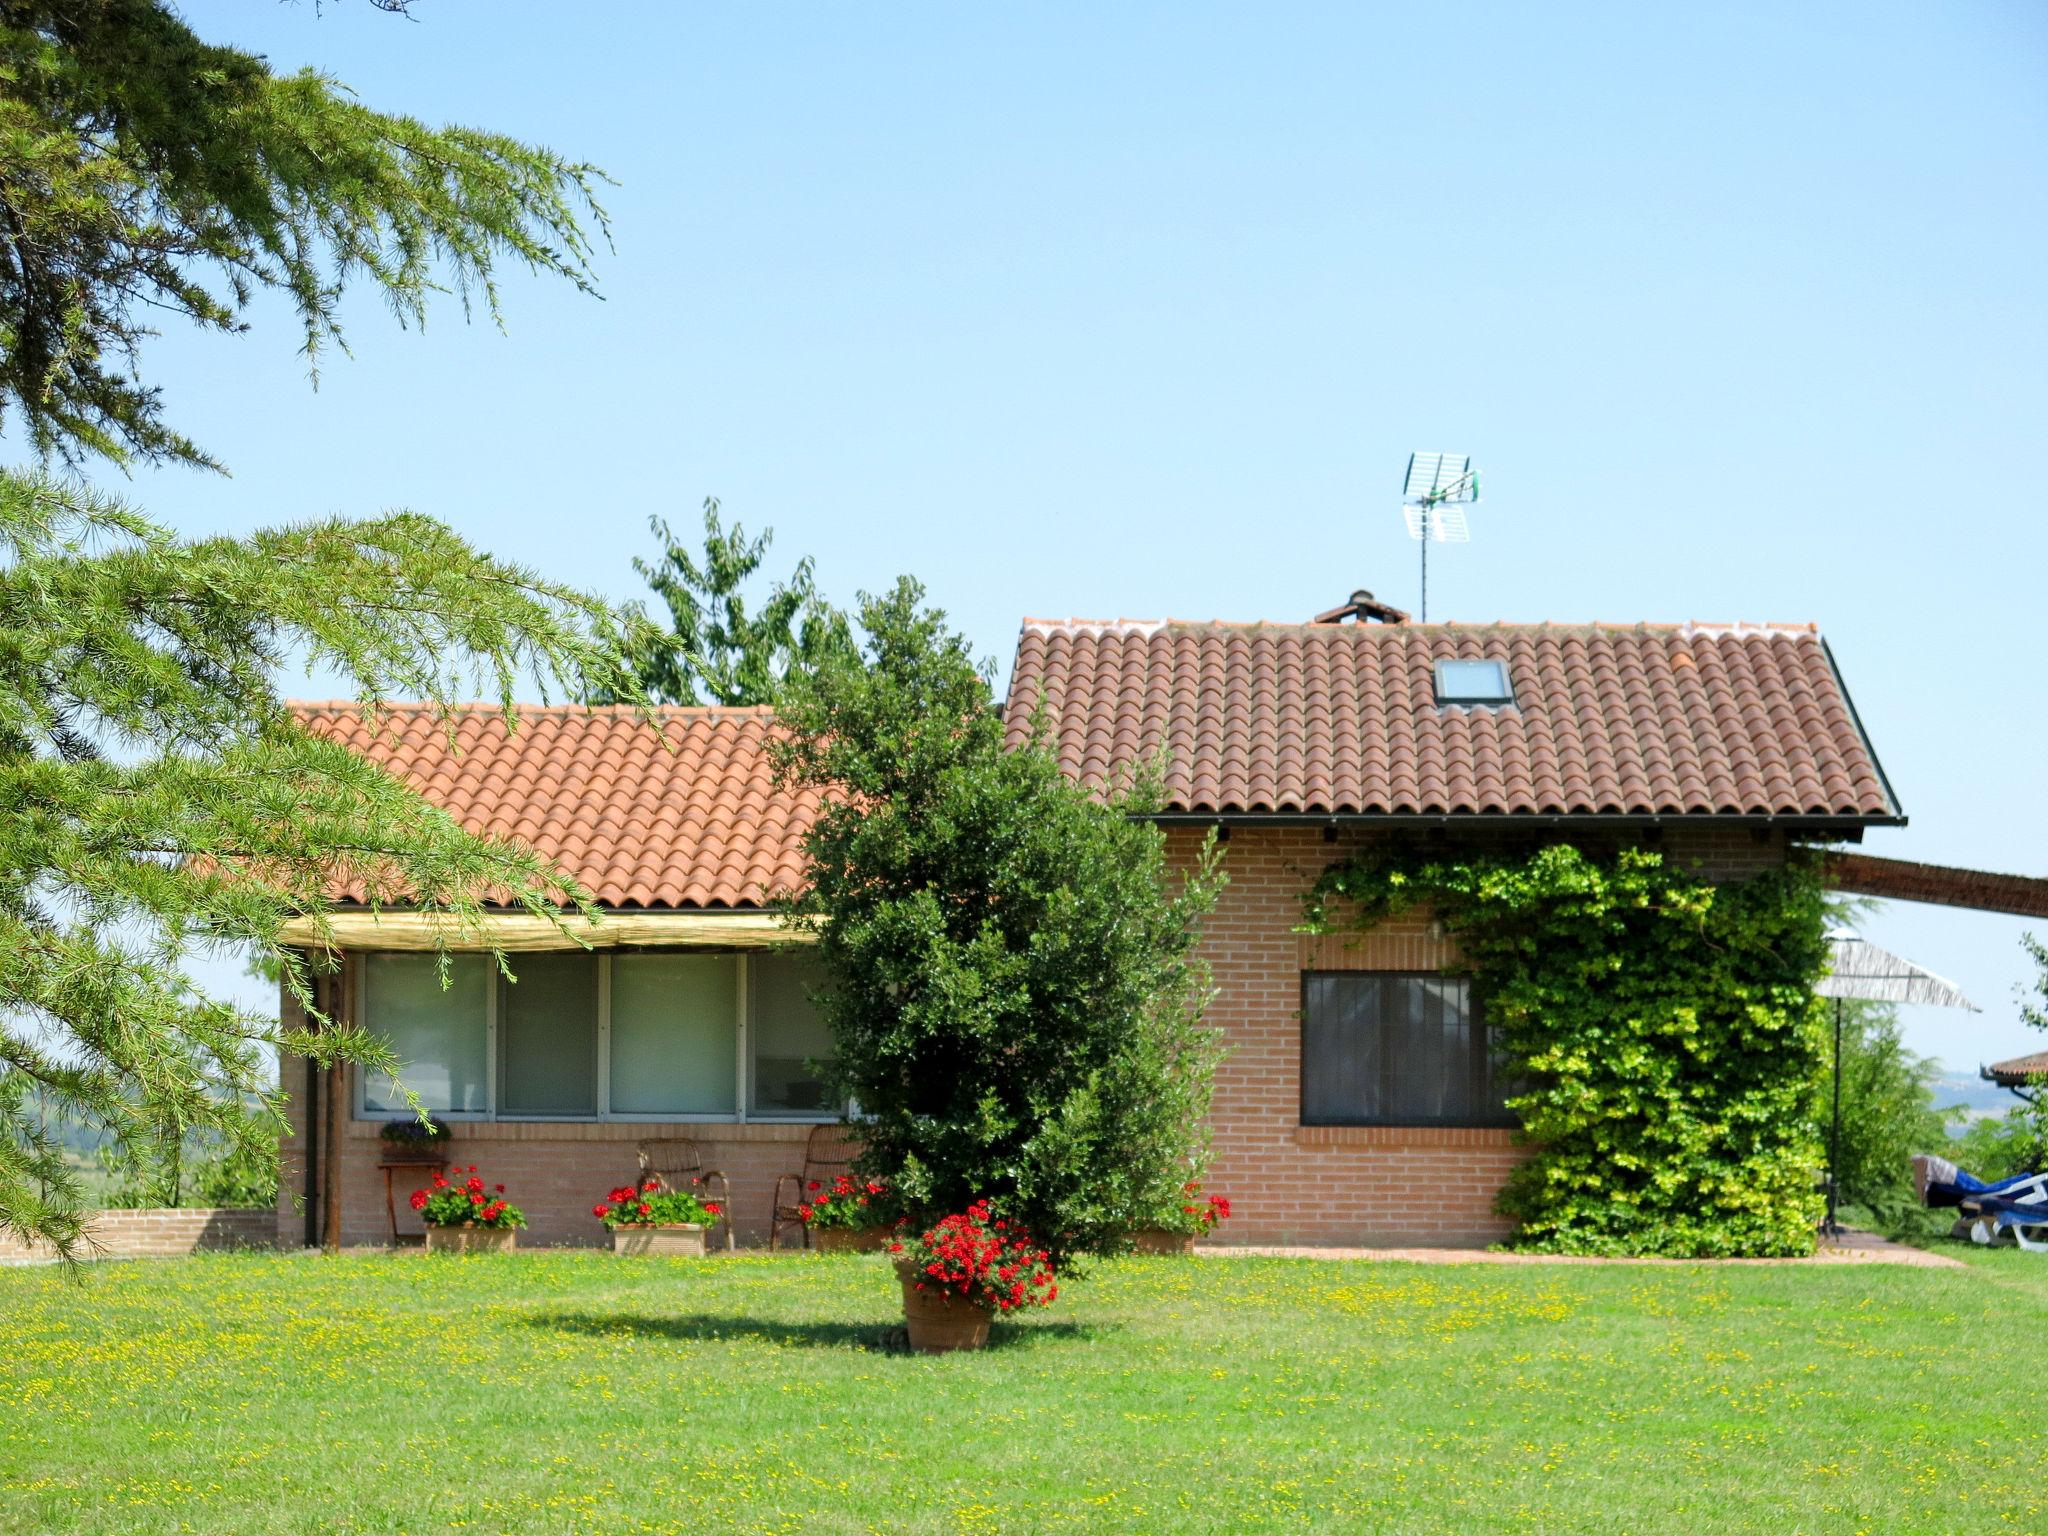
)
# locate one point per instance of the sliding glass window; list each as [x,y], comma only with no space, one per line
[643,1035]
[547,1037]
[787,1035]
[440,1034]
[674,1027]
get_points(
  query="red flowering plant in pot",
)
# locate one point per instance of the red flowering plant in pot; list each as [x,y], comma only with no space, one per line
[1175,1224]
[963,1271]
[649,1219]
[849,1216]
[462,1215]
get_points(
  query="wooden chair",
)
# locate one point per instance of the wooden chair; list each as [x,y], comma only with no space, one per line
[678,1164]
[828,1152]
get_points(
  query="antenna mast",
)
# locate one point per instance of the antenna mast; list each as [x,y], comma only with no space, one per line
[1433,500]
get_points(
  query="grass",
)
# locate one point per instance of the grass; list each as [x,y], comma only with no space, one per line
[577,1392]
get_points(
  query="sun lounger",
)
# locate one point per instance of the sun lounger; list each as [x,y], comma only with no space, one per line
[2016,1207]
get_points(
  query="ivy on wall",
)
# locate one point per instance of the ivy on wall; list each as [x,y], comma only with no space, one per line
[1663,1030]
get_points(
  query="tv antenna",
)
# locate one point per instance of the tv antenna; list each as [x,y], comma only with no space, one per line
[1433,500]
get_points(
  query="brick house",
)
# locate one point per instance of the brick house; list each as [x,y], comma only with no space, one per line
[1358,1073]
[1358,1070]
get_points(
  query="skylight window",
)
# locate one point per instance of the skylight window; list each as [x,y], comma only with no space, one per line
[1473,682]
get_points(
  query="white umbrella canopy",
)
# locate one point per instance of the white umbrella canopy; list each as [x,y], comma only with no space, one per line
[1861,970]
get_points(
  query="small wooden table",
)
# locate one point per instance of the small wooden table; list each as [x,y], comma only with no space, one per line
[418,1165]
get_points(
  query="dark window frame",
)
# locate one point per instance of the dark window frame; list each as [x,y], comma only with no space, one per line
[1504,1120]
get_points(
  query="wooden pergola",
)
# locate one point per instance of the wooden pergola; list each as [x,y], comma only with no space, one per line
[1941,885]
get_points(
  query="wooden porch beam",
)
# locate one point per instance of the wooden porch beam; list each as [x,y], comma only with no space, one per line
[1942,885]
[521,931]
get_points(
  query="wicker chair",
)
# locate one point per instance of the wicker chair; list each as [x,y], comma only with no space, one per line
[828,1152]
[678,1164]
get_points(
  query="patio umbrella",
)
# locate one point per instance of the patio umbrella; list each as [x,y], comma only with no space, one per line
[1861,970]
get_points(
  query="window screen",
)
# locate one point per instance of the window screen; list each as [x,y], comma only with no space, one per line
[441,1034]
[1380,1049]
[784,1032]
[547,1037]
[674,1023]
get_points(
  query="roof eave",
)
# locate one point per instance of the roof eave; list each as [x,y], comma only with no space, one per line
[1791,821]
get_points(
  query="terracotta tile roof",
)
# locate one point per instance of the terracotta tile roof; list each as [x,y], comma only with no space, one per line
[2020,1071]
[1342,718]
[640,825]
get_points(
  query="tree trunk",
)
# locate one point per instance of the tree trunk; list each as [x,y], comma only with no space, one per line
[339,1003]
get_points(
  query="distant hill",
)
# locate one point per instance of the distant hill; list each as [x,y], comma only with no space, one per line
[1972,1095]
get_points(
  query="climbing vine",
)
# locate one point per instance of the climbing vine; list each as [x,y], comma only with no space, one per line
[1666,1041]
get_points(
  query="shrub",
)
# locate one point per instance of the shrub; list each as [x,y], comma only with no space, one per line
[1888,1113]
[201,1168]
[1014,1001]
[1664,1030]
[466,1203]
[982,1258]
[849,1205]
[412,1135]
[652,1206]
[1190,1211]
[1995,1147]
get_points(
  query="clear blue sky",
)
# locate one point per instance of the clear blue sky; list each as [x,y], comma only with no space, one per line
[1739,307]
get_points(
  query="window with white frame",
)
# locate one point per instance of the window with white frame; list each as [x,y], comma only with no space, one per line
[653,1035]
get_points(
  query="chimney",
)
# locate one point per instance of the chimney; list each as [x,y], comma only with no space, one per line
[1362,607]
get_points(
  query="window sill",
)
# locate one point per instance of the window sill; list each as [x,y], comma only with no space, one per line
[609,1130]
[1404,1136]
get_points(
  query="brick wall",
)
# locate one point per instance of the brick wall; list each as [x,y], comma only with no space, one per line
[1363,1185]
[554,1172]
[1289,1183]
[158,1234]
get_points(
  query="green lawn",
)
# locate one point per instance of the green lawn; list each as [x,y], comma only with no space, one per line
[576,1392]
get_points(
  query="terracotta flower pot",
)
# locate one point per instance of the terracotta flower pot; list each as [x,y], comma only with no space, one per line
[469,1238]
[677,1242]
[938,1322]
[850,1239]
[1159,1240]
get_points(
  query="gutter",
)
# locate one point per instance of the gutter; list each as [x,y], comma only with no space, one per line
[1851,827]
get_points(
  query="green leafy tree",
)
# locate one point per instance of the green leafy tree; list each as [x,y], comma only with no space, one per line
[1665,1030]
[1015,1002]
[1995,1147]
[1888,1111]
[2034,1001]
[144,172]
[716,652]
[160,801]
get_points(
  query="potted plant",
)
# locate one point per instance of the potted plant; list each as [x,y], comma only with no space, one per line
[849,1217]
[959,1274]
[1175,1227]
[462,1217]
[413,1141]
[652,1220]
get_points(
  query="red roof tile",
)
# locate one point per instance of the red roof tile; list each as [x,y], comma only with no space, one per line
[2020,1071]
[1342,719]
[696,823]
